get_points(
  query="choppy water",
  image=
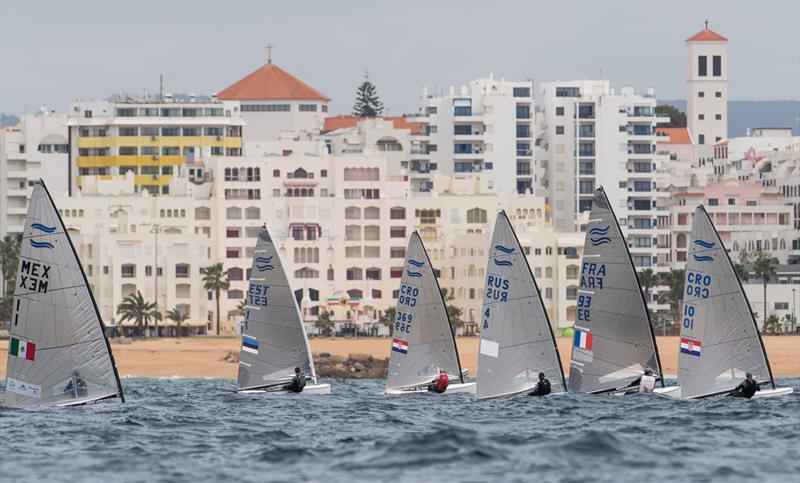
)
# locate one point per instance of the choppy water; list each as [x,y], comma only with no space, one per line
[193,430]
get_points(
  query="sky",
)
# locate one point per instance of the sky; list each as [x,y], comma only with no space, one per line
[56,52]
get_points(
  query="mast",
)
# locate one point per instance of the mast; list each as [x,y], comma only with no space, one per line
[91,294]
[541,301]
[741,289]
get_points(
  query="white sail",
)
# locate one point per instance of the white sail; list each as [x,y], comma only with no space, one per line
[719,340]
[274,339]
[58,351]
[614,342]
[517,341]
[423,341]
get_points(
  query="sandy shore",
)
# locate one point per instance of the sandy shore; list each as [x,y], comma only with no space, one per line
[203,357]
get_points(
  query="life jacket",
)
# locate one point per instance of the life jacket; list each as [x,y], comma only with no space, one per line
[442,383]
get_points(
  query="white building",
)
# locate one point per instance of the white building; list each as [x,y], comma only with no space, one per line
[486,127]
[590,135]
[33,149]
[707,86]
[783,297]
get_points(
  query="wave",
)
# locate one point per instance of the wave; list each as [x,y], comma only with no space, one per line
[416,263]
[36,244]
[705,244]
[599,231]
[413,274]
[504,249]
[44,228]
[502,263]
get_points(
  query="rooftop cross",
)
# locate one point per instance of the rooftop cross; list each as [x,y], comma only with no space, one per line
[706,24]
[269,53]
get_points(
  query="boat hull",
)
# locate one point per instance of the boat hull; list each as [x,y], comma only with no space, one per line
[466,387]
[309,390]
[674,392]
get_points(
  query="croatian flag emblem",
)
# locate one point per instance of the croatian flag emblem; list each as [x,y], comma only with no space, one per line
[691,347]
[583,340]
[250,344]
[400,346]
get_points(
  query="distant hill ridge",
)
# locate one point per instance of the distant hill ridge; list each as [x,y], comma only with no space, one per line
[750,114]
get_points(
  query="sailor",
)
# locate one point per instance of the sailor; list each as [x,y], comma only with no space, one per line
[542,387]
[647,382]
[298,381]
[77,385]
[747,388]
[440,384]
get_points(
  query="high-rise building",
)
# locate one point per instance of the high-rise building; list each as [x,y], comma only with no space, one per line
[486,127]
[707,86]
[588,136]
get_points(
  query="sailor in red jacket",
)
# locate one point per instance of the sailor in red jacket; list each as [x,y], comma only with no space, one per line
[440,385]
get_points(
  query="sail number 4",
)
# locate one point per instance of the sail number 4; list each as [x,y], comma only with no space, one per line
[403,322]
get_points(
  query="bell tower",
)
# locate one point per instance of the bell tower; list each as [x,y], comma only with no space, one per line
[707,86]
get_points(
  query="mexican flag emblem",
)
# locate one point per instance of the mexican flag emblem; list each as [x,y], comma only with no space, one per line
[22,348]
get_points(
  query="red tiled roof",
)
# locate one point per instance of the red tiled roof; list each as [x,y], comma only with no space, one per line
[706,35]
[347,120]
[270,82]
[677,135]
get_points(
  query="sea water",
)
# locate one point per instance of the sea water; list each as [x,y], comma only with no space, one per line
[199,430]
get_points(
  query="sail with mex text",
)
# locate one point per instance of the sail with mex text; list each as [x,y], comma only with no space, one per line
[58,350]
[613,343]
[517,341]
[422,340]
[274,340]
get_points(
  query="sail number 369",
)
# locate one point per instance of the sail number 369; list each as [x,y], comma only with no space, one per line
[403,322]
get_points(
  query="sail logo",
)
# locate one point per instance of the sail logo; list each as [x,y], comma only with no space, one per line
[250,344]
[36,244]
[416,263]
[691,347]
[502,263]
[34,276]
[413,274]
[703,258]
[264,263]
[506,250]
[497,288]
[400,346]
[597,236]
[705,244]
[43,228]
[22,349]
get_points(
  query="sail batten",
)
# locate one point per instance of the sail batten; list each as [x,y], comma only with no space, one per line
[58,351]
[614,341]
[719,340]
[274,340]
[517,341]
[422,341]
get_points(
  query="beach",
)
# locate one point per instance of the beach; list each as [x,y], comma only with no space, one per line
[205,356]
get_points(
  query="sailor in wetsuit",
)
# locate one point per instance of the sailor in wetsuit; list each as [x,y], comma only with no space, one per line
[298,381]
[76,385]
[645,383]
[747,388]
[542,387]
[440,384]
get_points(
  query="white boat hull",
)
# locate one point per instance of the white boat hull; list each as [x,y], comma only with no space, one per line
[674,392]
[310,389]
[466,387]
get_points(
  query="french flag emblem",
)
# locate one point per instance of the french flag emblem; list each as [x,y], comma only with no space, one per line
[400,346]
[691,347]
[583,340]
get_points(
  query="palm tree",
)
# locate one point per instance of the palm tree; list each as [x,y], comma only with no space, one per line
[388,317]
[177,315]
[324,323]
[741,272]
[772,325]
[9,260]
[241,307]
[674,279]
[215,278]
[764,268]
[135,307]
[453,312]
[647,278]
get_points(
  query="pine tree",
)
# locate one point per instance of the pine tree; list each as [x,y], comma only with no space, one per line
[368,104]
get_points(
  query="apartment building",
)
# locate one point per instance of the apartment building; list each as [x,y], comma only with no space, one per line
[33,149]
[483,128]
[151,139]
[589,135]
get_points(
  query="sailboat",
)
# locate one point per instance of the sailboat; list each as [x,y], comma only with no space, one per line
[719,342]
[517,341]
[423,341]
[614,342]
[58,351]
[274,339]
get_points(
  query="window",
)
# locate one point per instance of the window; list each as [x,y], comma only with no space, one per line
[701,139]
[559,129]
[397,252]
[702,68]
[718,117]
[522,92]
[701,116]
[701,94]
[397,232]
[308,108]
[572,293]
[523,131]
[128,131]
[231,252]
[232,233]
[781,305]
[713,202]
[128,270]
[717,65]
[397,213]
[265,108]
[476,215]
[235,295]
[462,129]
[462,110]
[523,112]
[182,270]
[568,92]
[718,94]
[373,274]
[170,131]
[127,151]
[559,111]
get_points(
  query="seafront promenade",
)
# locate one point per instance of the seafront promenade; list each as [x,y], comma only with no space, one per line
[205,356]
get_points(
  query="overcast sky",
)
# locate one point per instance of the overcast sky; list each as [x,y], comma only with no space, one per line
[55,52]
